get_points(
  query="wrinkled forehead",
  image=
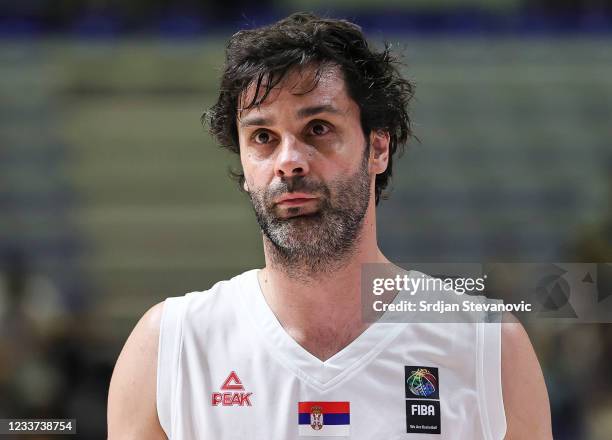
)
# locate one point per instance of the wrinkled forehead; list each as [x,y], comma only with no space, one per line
[317,82]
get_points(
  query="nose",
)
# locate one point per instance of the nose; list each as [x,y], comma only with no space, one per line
[292,159]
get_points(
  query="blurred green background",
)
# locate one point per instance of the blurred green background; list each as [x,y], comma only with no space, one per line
[114,197]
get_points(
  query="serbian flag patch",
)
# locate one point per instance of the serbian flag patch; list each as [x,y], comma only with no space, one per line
[324,419]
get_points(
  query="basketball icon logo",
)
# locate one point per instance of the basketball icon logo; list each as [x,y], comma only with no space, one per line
[422,382]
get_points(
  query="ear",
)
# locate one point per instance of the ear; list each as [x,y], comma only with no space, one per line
[245,186]
[379,151]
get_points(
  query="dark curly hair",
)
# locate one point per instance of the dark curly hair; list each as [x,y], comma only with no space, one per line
[263,56]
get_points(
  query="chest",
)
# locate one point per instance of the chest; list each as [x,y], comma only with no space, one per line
[404,390]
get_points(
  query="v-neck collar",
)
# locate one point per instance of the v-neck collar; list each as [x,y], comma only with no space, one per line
[320,374]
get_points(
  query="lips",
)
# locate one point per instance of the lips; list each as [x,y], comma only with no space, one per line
[294,199]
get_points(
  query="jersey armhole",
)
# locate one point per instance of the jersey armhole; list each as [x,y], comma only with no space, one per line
[168,354]
[490,381]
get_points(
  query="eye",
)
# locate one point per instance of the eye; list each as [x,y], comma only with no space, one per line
[319,129]
[262,137]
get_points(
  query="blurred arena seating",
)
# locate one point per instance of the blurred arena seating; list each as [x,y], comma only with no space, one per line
[511,163]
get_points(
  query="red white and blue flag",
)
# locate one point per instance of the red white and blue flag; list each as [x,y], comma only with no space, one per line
[324,419]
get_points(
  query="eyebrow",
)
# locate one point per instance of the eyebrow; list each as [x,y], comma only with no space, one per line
[255,121]
[301,113]
[315,110]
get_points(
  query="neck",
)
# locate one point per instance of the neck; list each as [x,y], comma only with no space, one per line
[321,310]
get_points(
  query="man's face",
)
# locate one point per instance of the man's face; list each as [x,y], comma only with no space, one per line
[306,165]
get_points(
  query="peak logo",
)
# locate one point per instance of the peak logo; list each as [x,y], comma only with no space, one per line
[232,393]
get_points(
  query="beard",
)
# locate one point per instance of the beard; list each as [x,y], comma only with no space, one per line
[307,243]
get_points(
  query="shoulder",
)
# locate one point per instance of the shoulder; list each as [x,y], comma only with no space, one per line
[219,300]
[524,391]
[132,410]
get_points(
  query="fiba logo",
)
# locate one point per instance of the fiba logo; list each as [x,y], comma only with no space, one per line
[422,382]
[422,416]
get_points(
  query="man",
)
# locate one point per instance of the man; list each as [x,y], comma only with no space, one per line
[316,117]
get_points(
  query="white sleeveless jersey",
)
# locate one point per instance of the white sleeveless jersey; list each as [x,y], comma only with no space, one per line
[228,370]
